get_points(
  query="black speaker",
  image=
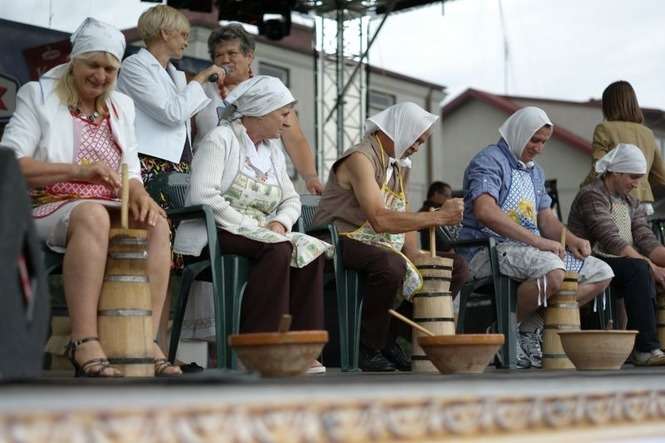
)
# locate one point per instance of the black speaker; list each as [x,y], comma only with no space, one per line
[24,294]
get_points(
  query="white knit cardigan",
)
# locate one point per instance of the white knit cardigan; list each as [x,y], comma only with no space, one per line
[216,163]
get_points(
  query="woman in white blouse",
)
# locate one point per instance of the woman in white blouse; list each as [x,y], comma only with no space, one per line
[165,102]
[239,170]
[71,132]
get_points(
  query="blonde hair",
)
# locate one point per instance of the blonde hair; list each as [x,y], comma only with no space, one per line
[66,90]
[161,17]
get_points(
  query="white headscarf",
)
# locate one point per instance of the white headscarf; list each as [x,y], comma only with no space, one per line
[518,129]
[256,97]
[403,123]
[93,35]
[624,158]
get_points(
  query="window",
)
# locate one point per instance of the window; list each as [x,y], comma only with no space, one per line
[275,71]
[378,101]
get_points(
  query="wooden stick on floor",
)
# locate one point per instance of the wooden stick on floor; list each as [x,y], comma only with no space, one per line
[410,322]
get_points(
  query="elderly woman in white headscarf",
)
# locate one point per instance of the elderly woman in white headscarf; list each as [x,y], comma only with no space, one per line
[506,199]
[71,131]
[239,170]
[605,212]
[365,199]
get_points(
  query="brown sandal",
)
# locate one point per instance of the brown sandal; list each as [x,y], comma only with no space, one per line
[94,367]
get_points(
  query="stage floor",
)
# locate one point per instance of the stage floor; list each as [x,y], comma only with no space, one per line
[212,406]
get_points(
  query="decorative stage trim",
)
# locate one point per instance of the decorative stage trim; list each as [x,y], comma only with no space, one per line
[343,421]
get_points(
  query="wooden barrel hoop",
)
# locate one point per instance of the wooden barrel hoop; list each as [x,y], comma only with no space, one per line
[562,314]
[125,308]
[432,306]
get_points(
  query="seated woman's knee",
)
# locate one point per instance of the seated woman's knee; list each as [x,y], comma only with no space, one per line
[281,251]
[161,231]
[554,281]
[91,217]
[392,267]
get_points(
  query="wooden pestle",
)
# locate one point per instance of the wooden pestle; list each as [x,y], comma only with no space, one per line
[124,198]
[432,238]
[410,322]
[284,324]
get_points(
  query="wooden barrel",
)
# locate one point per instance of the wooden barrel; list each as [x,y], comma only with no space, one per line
[432,306]
[660,317]
[124,315]
[562,314]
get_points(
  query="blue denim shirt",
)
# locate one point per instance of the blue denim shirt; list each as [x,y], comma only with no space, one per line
[490,172]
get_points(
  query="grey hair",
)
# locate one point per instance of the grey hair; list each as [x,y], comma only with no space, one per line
[230,32]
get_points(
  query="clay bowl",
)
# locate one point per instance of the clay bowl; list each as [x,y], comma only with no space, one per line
[462,353]
[278,354]
[597,349]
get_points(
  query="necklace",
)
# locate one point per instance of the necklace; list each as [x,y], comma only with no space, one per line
[260,175]
[89,117]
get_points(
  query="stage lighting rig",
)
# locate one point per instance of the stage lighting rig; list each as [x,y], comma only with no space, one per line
[272,18]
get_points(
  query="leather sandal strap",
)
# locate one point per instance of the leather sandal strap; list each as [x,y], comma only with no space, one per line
[101,363]
[161,365]
[74,344]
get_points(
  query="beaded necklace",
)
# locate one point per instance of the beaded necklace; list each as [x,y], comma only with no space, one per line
[89,117]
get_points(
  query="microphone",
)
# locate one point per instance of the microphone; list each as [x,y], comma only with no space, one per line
[214,77]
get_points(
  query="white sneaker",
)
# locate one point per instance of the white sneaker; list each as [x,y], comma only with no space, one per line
[653,358]
[531,344]
[316,368]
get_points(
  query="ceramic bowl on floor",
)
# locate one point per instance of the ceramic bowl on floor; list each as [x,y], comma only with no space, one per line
[597,349]
[462,353]
[278,354]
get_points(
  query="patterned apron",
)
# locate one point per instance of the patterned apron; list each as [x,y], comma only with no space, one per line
[96,144]
[258,200]
[620,215]
[520,206]
[413,281]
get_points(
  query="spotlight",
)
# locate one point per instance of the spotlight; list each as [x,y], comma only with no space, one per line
[273,18]
[275,26]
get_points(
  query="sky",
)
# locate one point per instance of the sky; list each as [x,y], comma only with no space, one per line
[563,49]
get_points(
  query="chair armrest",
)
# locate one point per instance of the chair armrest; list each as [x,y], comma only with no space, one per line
[187,213]
[318,229]
[199,212]
[471,243]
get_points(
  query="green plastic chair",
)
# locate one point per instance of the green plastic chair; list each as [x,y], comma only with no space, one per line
[497,289]
[348,283]
[227,273]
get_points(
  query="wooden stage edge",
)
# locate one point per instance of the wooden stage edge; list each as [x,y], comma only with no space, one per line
[502,406]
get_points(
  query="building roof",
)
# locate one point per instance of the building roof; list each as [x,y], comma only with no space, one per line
[508,106]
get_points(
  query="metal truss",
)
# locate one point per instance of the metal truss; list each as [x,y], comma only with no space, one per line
[341,95]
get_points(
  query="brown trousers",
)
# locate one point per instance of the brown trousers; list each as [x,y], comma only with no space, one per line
[384,272]
[274,288]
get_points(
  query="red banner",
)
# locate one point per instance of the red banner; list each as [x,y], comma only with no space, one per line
[42,58]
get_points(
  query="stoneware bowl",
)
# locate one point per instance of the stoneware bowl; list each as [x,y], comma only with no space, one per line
[597,349]
[462,353]
[278,354]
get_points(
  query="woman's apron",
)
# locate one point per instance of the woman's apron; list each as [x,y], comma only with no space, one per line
[520,206]
[393,201]
[258,200]
[95,144]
